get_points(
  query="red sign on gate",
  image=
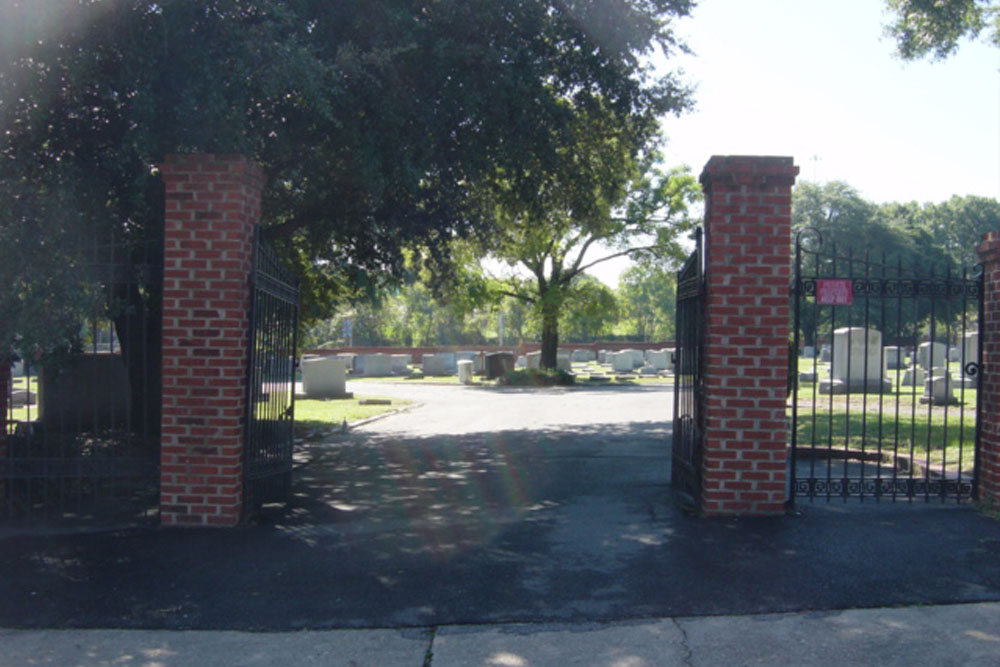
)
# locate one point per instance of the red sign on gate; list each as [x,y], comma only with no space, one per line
[833,292]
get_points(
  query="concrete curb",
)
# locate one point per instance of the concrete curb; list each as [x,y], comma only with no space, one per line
[964,634]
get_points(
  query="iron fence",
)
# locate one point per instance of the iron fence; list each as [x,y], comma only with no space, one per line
[271,381]
[885,402]
[688,429]
[80,429]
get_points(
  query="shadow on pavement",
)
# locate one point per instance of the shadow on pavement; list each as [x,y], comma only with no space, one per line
[565,524]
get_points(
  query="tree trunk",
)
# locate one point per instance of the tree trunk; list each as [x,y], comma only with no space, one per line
[550,335]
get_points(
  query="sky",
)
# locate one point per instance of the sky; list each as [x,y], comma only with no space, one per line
[816,80]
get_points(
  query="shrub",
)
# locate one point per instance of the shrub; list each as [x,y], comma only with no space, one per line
[538,377]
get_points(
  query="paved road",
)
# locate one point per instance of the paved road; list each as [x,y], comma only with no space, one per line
[488,506]
[454,409]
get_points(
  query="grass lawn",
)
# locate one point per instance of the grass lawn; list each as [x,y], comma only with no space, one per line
[313,415]
[941,438]
[23,413]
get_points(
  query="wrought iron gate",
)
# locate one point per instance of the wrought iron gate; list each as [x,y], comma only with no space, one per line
[686,451]
[885,405]
[80,417]
[270,419]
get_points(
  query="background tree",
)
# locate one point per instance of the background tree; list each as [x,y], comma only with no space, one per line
[647,294]
[860,239]
[935,27]
[607,199]
[957,226]
[373,119]
[590,310]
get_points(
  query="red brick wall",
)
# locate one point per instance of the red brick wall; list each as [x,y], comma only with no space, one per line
[212,206]
[989,417]
[747,232]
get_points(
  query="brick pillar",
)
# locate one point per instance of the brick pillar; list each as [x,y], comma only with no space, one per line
[747,236]
[212,207]
[988,472]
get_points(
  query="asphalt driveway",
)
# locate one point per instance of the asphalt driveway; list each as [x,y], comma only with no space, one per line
[486,506]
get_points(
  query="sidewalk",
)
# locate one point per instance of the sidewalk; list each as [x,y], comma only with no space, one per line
[966,635]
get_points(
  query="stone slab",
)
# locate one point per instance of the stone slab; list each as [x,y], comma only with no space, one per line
[434,365]
[377,365]
[465,371]
[324,377]
[621,362]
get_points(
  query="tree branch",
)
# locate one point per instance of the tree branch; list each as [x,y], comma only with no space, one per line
[583,268]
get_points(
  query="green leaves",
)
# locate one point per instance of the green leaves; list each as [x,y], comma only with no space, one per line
[935,27]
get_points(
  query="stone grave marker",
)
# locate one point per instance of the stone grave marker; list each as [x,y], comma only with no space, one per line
[465,371]
[621,362]
[401,364]
[894,358]
[939,389]
[931,355]
[324,377]
[857,363]
[377,365]
[499,364]
[434,365]
[658,359]
[914,376]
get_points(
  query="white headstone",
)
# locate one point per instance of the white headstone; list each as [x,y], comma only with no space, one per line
[894,358]
[621,362]
[638,358]
[671,352]
[348,359]
[434,365]
[602,356]
[583,355]
[659,359]
[931,355]
[400,363]
[914,376]
[970,347]
[824,353]
[465,371]
[377,365]
[939,389]
[522,362]
[809,352]
[534,359]
[857,362]
[563,362]
[449,360]
[324,377]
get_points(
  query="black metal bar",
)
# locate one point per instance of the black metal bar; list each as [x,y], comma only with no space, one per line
[945,301]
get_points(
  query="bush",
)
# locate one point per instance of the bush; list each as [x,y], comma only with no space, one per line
[538,377]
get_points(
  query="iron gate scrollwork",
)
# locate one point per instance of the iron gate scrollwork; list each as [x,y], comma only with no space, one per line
[271,383]
[688,427]
[885,403]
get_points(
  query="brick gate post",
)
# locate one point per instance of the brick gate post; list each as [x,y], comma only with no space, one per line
[988,473]
[212,207]
[747,238]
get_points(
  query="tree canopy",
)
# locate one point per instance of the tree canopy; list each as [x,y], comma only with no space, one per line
[935,27]
[373,119]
